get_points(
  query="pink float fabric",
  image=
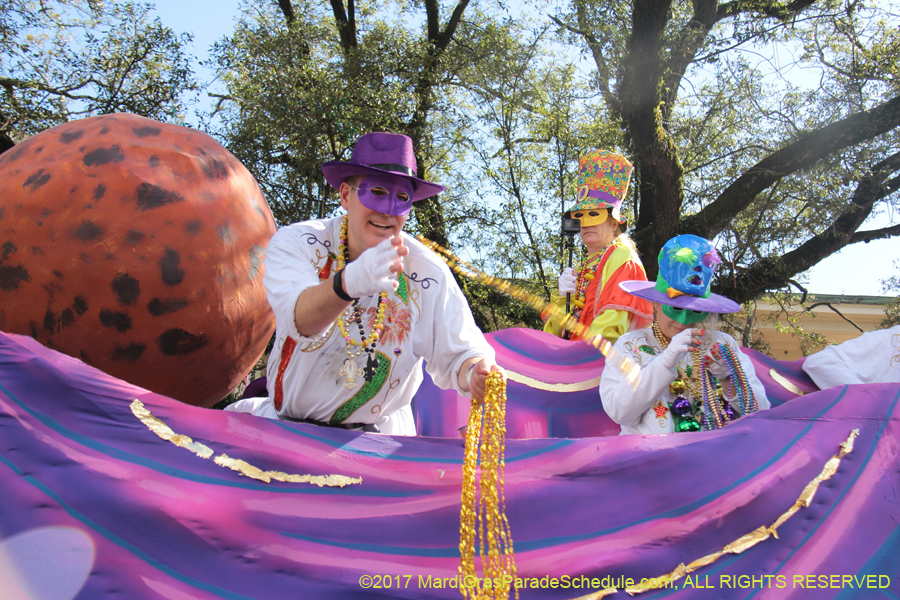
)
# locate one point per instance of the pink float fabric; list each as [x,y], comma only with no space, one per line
[534,411]
[165,523]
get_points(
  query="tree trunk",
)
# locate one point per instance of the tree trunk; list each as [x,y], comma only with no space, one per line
[661,190]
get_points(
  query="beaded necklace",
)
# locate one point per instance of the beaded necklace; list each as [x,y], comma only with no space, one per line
[484,517]
[684,410]
[718,413]
[690,375]
[354,313]
[586,274]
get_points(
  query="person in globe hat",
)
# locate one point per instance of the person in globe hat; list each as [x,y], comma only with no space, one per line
[359,304]
[692,376]
[596,301]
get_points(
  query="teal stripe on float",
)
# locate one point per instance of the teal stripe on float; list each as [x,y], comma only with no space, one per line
[677,512]
[343,446]
[524,546]
[847,487]
[200,585]
[889,549]
[240,481]
[446,552]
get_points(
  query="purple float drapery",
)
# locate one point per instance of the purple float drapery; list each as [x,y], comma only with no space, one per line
[165,523]
[561,400]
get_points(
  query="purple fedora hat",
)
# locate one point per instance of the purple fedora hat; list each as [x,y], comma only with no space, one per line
[686,264]
[377,152]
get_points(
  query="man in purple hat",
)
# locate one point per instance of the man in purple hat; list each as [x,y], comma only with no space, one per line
[692,376]
[359,304]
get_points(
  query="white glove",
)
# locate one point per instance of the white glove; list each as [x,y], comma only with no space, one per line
[680,344]
[717,367]
[370,273]
[567,282]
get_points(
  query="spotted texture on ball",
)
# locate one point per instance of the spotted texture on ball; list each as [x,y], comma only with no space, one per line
[137,247]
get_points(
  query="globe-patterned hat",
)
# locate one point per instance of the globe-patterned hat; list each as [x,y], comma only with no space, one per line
[686,267]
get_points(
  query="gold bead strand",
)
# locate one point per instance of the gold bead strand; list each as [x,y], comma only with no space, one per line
[486,436]
[344,318]
[501,561]
[630,369]
[469,509]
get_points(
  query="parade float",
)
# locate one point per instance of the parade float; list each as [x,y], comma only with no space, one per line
[115,481]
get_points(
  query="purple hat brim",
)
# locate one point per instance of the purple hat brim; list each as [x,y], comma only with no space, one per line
[337,171]
[714,304]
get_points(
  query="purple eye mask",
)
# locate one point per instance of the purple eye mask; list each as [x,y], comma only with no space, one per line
[384,194]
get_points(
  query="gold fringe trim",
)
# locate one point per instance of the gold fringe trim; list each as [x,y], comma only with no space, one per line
[756,536]
[578,386]
[785,382]
[223,460]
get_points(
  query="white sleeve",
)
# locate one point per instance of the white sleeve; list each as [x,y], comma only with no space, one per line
[454,339]
[288,273]
[828,367]
[625,405]
[873,357]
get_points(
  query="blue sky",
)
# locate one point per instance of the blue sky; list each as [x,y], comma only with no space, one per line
[856,270]
[208,21]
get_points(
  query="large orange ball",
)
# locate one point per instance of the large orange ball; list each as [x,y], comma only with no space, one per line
[137,247]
